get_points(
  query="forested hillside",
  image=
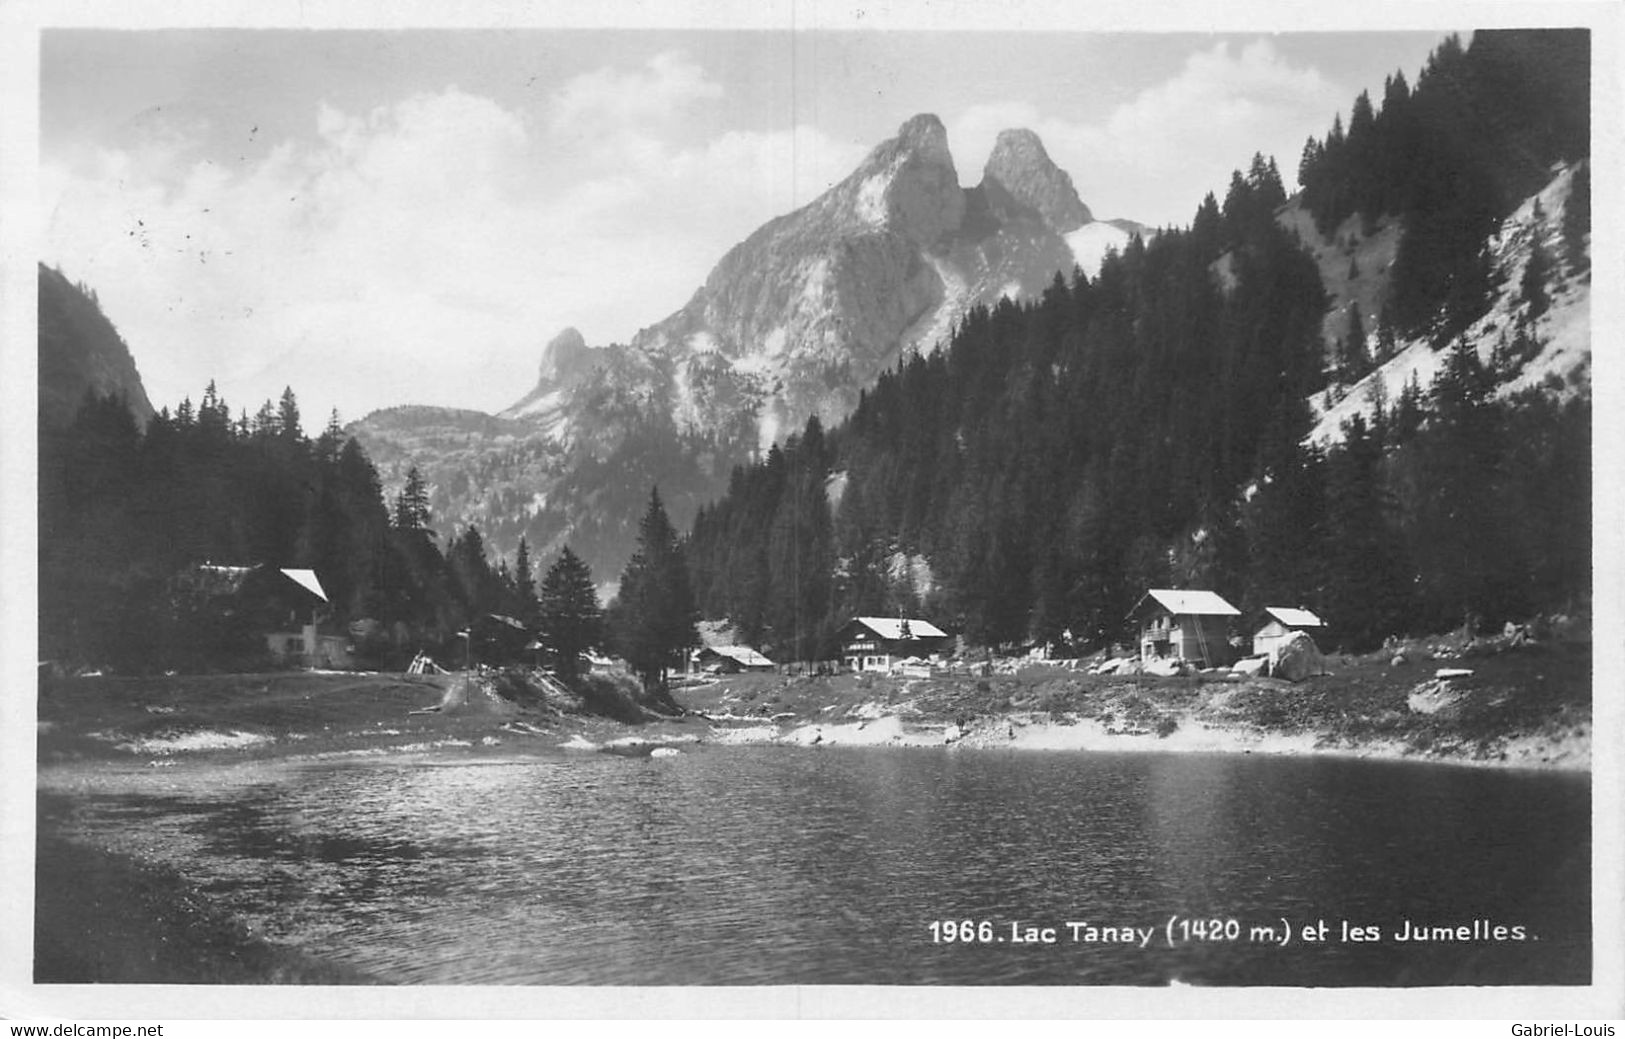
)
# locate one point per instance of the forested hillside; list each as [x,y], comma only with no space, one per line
[1477,135]
[1148,427]
[145,537]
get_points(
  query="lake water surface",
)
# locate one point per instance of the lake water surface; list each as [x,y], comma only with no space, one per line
[778,865]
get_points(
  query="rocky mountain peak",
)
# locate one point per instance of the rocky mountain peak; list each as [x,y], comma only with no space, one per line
[1020,165]
[925,135]
[909,184]
[562,355]
[794,321]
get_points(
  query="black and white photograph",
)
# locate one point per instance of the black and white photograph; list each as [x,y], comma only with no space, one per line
[811,510]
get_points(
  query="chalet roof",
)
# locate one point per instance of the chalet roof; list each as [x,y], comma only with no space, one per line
[1294,616]
[1183,601]
[744,656]
[891,628]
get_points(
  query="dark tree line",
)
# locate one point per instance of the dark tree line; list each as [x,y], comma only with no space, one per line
[137,528]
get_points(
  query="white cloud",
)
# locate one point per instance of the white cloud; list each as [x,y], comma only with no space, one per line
[415,252]
[666,84]
[1154,157]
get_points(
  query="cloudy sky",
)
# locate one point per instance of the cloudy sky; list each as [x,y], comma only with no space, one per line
[389,217]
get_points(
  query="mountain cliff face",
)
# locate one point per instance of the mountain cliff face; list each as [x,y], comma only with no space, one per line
[793,322]
[80,351]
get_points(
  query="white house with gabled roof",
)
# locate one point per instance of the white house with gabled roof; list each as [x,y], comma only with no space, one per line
[880,643]
[1184,624]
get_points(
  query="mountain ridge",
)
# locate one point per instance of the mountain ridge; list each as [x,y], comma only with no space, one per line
[81,352]
[791,323]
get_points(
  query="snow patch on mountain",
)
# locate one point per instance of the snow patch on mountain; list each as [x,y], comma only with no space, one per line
[1091,242]
[772,346]
[936,328]
[870,205]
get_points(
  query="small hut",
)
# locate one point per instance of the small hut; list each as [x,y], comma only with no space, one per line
[1279,623]
[730,660]
[1184,624]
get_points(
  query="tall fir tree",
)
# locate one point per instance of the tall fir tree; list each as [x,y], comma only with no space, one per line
[1537,272]
[412,504]
[654,618]
[524,584]
[1577,221]
[571,622]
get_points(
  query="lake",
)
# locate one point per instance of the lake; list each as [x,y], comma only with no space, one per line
[753,865]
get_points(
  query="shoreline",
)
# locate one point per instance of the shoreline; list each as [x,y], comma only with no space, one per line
[1571,753]
[1014,732]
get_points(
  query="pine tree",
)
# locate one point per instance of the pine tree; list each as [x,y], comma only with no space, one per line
[481,591]
[1577,221]
[568,614]
[524,585]
[1357,360]
[331,442]
[412,504]
[1536,273]
[1387,343]
[287,417]
[655,614]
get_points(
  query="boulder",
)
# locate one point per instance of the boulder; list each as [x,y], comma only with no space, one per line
[1164,667]
[1250,666]
[1434,697]
[1297,658]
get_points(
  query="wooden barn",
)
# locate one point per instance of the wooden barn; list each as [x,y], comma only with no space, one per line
[1280,622]
[730,660]
[879,643]
[1184,624]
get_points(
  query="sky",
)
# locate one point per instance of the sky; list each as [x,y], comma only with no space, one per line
[408,216]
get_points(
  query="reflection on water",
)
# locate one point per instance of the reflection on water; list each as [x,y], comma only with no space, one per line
[771,865]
